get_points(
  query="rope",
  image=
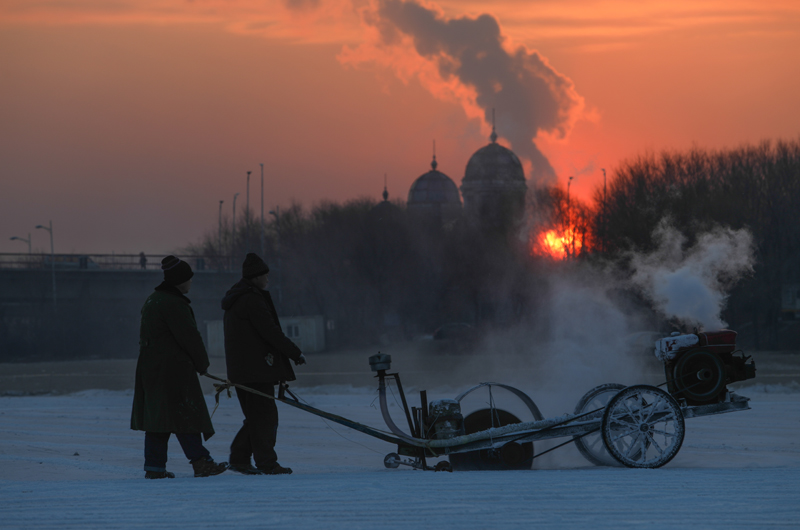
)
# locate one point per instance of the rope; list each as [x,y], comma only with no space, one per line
[219,388]
[334,430]
[389,388]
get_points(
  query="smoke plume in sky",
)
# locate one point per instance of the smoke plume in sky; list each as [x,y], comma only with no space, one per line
[469,60]
[690,284]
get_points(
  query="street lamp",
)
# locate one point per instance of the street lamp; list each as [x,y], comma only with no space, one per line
[276,213]
[233,230]
[52,258]
[247,215]
[219,236]
[28,241]
[262,210]
[603,250]
[569,183]
[569,221]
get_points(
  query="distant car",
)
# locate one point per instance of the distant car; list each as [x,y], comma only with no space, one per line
[454,331]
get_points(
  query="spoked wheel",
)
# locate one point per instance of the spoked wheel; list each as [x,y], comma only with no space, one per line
[642,427]
[591,445]
[510,456]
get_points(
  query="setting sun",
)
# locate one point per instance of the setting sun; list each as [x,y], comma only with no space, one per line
[556,244]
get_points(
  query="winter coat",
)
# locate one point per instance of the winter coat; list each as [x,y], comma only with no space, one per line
[256,350]
[167,395]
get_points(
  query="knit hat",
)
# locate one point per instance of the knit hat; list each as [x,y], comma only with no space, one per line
[253,266]
[176,271]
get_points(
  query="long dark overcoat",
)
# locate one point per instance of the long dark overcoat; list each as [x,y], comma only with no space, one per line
[256,349]
[167,396]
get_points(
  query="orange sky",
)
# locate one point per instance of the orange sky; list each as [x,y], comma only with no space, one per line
[126,122]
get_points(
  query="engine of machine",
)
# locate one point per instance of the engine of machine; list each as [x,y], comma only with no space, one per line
[445,419]
[699,366]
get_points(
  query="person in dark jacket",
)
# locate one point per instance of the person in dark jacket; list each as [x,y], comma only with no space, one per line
[167,398]
[258,356]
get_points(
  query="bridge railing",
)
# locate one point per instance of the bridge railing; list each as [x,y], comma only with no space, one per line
[107,261]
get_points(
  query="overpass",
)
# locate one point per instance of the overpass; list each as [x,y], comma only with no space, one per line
[96,310]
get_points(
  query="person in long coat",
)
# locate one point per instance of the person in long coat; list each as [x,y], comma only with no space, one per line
[167,398]
[258,355]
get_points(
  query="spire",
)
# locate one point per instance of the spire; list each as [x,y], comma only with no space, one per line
[493,137]
[434,163]
[385,191]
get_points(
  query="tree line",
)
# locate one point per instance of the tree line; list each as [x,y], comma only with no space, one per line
[377,273]
[756,187]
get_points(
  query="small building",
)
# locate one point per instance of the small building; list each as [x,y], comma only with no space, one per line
[790,301]
[308,332]
[215,338]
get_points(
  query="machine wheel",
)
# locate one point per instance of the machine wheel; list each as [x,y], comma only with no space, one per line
[518,456]
[392,461]
[699,377]
[591,445]
[642,427]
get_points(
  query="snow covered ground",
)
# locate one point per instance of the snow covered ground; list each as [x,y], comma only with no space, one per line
[70,461]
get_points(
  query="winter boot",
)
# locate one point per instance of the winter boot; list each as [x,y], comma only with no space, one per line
[246,469]
[205,467]
[276,469]
[158,474]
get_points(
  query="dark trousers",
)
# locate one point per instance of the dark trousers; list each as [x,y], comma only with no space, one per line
[260,428]
[155,449]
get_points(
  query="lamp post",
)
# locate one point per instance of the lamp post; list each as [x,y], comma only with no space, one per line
[28,241]
[233,230]
[569,221]
[247,216]
[262,210]
[276,213]
[52,259]
[219,236]
[603,249]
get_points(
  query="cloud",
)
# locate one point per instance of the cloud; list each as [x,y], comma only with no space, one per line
[469,60]
[294,21]
[465,59]
[302,4]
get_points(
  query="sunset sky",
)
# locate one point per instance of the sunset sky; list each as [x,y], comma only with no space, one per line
[127,121]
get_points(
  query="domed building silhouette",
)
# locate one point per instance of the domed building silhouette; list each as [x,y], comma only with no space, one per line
[434,197]
[385,211]
[494,186]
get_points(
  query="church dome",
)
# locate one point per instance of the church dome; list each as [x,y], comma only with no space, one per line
[436,194]
[494,166]
[494,186]
[434,187]
[385,211]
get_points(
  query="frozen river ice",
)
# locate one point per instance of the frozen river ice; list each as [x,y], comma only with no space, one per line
[70,461]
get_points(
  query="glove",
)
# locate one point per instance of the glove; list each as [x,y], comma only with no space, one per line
[301,360]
